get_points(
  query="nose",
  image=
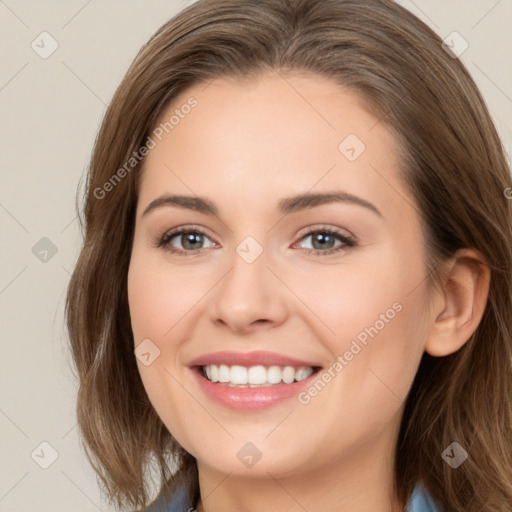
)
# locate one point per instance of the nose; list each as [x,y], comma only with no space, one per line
[250,297]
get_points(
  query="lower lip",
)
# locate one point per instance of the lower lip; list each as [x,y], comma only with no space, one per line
[248,399]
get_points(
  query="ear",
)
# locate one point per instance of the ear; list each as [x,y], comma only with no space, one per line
[460,304]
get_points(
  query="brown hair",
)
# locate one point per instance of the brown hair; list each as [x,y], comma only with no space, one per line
[453,163]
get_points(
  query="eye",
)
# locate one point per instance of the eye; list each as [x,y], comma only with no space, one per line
[190,239]
[323,240]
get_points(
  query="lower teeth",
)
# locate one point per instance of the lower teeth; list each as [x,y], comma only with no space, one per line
[229,384]
[245,385]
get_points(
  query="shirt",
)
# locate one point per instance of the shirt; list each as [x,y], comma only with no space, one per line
[420,501]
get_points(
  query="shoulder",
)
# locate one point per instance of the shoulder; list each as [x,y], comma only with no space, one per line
[421,501]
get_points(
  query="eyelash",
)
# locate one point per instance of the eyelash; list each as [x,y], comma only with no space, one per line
[164,241]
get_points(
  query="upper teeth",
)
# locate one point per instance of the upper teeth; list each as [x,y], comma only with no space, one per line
[253,375]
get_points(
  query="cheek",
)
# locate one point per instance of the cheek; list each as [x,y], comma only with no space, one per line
[347,299]
[157,300]
[159,295]
[391,352]
[375,324]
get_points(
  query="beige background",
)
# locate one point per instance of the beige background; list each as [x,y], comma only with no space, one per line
[51,110]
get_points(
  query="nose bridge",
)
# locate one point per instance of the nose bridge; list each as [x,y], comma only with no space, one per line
[249,292]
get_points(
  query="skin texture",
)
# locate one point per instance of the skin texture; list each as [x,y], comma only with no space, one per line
[245,146]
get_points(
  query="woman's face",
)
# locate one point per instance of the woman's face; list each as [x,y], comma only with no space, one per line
[280,275]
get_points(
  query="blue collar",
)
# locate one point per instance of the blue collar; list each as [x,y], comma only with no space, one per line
[421,501]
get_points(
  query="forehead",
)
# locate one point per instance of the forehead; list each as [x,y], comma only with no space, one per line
[261,136]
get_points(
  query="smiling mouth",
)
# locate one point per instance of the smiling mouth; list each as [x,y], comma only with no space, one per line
[258,376]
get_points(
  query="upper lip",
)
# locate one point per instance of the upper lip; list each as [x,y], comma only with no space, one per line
[254,358]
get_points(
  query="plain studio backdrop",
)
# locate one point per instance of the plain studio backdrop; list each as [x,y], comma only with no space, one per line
[61,63]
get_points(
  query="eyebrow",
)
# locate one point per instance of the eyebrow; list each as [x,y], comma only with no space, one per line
[285,206]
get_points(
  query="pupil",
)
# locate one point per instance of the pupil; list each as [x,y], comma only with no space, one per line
[192,238]
[322,239]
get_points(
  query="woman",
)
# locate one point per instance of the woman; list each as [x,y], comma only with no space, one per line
[294,291]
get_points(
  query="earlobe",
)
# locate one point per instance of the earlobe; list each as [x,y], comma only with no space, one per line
[461,304]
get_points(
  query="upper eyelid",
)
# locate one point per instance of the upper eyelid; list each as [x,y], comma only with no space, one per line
[304,231]
[309,231]
[336,231]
